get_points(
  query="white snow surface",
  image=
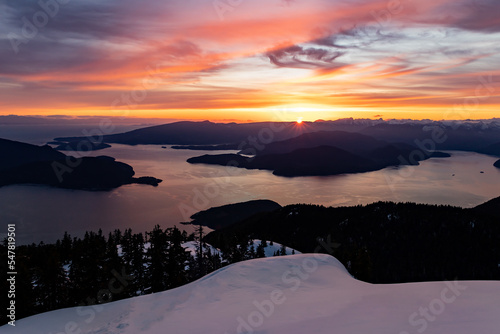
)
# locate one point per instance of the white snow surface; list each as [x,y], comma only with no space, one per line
[286,295]
[190,246]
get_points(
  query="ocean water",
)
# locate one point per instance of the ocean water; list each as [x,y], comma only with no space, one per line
[43,214]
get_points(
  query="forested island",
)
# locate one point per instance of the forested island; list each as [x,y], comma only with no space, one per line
[24,163]
[323,153]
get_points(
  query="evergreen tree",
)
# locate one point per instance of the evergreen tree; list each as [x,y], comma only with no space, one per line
[177,259]
[128,250]
[251,251]
[212,260]
[112,262]
[235,249]
[156,255]
[282,250]
[200,269]
[260,251]
[66,248]
[86,275]
[137,269]
[50,285]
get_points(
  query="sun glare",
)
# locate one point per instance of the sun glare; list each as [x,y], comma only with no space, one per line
[299,120]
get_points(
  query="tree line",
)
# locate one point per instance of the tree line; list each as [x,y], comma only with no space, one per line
[383,242]
[100,268]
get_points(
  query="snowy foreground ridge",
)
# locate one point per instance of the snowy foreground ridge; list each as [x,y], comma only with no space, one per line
[286,295]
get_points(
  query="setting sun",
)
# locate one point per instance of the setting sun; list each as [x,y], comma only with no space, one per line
[299,120]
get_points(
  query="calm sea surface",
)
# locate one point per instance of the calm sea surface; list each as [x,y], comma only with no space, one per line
[43,213]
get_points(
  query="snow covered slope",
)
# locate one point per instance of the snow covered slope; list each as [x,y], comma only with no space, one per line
[274,248]
[269,251]
[286,295]
[190,246]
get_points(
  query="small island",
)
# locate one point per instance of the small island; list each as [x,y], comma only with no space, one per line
[497,164]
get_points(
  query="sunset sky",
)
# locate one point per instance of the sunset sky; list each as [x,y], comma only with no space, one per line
[251,59]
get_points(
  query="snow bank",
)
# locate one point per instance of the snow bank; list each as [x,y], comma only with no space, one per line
[270,250]
[190,246]
[286,295]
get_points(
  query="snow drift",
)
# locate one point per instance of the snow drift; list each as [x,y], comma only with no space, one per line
[286,295]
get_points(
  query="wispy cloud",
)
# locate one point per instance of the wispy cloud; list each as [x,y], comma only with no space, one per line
[301,57]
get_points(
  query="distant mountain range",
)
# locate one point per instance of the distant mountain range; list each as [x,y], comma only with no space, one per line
[197,133]
[30,164]
[316,148]
[478,136]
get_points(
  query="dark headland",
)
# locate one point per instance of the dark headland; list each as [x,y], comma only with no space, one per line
[23,163]
[222,216]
